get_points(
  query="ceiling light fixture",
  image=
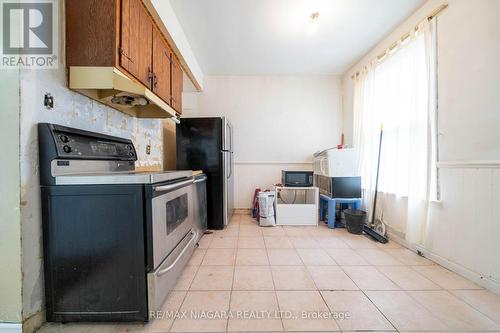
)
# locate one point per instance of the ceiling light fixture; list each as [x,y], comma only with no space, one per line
[313,22]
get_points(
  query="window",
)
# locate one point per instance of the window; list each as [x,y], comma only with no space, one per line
[398,92]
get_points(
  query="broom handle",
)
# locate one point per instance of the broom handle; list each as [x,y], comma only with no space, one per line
[378,169]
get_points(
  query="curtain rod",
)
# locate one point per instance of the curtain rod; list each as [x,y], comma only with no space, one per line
[429,17]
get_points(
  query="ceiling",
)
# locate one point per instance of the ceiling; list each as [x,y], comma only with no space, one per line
[275,37]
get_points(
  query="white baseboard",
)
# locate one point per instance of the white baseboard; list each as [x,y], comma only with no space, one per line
[11,328]
[243,211]
[400,240]
[272,162]
[482,281]
[34,322]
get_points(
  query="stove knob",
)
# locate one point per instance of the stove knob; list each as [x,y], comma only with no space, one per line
[131,154]
[129,147]
[67,149]
[64,138]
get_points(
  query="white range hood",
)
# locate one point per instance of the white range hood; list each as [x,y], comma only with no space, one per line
[110,86]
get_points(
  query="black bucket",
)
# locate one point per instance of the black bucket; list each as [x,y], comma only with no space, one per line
[354,221]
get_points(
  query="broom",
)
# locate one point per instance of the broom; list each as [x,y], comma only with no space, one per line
[376,228]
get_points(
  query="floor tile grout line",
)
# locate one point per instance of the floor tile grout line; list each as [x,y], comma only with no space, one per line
[190,284]
[330,309]
[392,255]
[275,293]
[232,281]
[399,263]
[197,270]
[179,309]
[199,266]
[471,305]
[453,296]
[378,309]
[393,281]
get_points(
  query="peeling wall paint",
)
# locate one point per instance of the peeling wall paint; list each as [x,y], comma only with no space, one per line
[73,110]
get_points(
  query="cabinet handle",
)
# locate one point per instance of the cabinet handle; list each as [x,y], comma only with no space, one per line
[155,79]
[122,53]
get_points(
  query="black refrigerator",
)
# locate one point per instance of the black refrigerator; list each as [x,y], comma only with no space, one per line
[207,144]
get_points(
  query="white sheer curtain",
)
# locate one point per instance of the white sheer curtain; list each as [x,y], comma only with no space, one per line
[398,92]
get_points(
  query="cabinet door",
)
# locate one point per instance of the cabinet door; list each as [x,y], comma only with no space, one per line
[161,67]
[176,85]
[136,41]
[94,252]
[91,33]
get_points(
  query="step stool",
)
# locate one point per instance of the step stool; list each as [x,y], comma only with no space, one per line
[353,203]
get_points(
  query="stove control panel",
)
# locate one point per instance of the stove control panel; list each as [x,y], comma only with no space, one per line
[78,151]
[78,146]
[72,143]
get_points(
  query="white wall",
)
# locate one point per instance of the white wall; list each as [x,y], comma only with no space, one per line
[10,228]
[279,122]
[465,226]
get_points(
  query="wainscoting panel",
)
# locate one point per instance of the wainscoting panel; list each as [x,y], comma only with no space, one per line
[464,226]
[263,174]
[463,233]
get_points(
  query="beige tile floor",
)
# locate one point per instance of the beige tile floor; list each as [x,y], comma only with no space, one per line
[252,279]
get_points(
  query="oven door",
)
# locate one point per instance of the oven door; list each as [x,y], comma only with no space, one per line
[172,217]
[162,280]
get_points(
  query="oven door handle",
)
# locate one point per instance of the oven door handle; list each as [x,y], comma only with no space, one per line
[167,269]
[172,187]
[199,180]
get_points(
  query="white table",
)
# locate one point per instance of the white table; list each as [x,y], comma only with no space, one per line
[296,205]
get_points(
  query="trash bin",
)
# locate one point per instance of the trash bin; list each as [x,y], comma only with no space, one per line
[354,220]
[266,209]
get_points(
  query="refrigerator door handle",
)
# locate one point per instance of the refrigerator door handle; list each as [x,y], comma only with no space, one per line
[230,165]
[230,137]
[227,143]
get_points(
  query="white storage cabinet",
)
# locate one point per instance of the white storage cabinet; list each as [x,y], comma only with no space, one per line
[296,205]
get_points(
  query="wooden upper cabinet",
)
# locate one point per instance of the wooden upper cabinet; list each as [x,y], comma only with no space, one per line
[177,85]
[161,67]
[136,41]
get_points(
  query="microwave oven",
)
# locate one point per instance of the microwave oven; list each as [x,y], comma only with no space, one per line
[337,163]
[297,178]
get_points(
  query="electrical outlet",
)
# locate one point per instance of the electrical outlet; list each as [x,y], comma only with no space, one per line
[48,101]
[148,150]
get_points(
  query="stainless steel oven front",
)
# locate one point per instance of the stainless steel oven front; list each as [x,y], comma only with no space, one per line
[173,237]
[172,217]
